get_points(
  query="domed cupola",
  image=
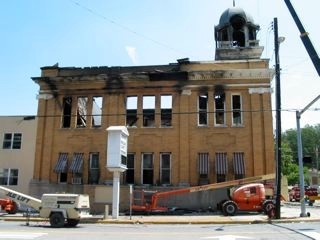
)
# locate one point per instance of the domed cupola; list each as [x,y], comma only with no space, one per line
[235,36]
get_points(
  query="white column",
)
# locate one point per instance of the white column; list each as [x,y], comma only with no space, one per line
[115,194]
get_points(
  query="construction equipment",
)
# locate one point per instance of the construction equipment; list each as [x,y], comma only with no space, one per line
[248,197]
[311,194]
[61,209]
[305,37]
[8,205]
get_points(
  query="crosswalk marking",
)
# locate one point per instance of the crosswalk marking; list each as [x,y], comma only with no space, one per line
[21,235]
[314,235]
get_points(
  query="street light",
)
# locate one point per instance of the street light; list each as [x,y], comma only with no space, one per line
[299,142]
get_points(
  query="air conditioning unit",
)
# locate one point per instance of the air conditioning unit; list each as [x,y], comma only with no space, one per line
[76,180]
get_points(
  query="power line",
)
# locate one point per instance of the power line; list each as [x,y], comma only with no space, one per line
[293,110]
[93,12]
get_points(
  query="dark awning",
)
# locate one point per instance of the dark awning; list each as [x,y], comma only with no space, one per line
[77,162]
[61,165]
[221,163]
[238,163]
[203,163]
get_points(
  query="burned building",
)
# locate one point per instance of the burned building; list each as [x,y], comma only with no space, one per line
[190,122]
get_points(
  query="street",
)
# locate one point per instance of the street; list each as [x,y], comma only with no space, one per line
[19,230]
[235,229]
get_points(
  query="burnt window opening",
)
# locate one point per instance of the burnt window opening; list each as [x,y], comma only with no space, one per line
[219,103]
[203,110]
[82,112]
[147,168]
[165,168]
[148,105]
[166,110]
[94,168]
[129,173]
[252,33]
[238,36]
[96,111]
[66,112]
[131,111]
[239,39]
[236,110]
[224,35]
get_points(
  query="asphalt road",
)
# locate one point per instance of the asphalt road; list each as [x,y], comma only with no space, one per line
[40,231]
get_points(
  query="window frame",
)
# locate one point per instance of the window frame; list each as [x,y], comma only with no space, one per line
[202,156]
[203,111]
[66,114]
[147,169]
[91,154]
[9,179]
[217,111]
[94,170]
[236,110]
[82,117]
[166,112]
[162,169]
[148,114]
[13,143]
[132,113]
[130,169]
[94,115]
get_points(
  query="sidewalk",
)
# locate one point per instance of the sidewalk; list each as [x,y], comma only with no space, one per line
[290,212]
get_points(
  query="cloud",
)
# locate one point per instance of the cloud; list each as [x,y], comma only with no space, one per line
[132,54]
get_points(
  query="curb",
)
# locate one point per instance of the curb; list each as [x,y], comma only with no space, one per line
[165,220]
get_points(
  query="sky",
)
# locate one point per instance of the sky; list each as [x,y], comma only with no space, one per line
[84,33]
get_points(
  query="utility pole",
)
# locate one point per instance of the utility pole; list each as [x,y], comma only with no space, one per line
[278,119]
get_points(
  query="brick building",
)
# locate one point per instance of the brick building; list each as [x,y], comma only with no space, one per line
[189,122]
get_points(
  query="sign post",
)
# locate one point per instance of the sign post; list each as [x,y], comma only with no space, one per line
[117,161]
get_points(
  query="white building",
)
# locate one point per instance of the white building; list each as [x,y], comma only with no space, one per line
[17,138]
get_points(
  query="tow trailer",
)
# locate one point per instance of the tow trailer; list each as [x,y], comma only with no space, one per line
[61,209]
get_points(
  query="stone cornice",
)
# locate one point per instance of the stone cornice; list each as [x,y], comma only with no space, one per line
[232,74]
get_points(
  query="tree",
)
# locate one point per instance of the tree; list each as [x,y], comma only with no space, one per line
[310,143]
[289,168]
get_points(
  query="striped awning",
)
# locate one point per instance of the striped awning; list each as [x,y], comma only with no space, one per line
[77,163]
[203,163]
[61,165]
[221,163]
[239,163]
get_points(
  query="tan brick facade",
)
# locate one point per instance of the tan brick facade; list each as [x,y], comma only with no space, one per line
[190,123]
[184,140]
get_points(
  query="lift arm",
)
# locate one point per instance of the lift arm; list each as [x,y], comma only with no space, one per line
[305,37]
[157,195]
[21,198]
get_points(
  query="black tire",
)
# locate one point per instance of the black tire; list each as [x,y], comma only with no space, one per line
[268,206]
[219,205]
[72,222]
[56,220]
[229,208]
